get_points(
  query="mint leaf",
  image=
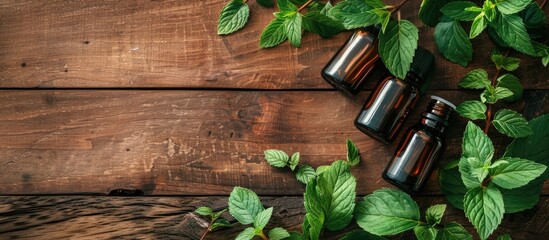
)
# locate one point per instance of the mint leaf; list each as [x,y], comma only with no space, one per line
[273,34]
[533,16]
[247,234]
[233,17]
[451,184]
[489,10]
[512,6]
[321,24]
[384,17]
[338,189]
[354,14]
[452,42]
[292,28]
[353,155]
[387,212]
[504,237]
[479,24]
[286,6]
[454,231]
[511,124]
[476,144]
[314,206]
[484,209]
[434,213]
[361,235]
[220,223]
[266,3]
[473,171]
[507,63]
[532,148]
[429,11]
[321,169]
[456,10]
[244,205]
[425,232]
[294,160]
[513,32]
[278,234]
[262,218]
[397,46]
[516,173]
[305,174]
[472,109]
[512,83]
[204,211]
[375,3]
[276,158]
[476,79]
[492,95]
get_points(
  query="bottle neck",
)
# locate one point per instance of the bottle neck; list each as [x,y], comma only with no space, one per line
[413,79]
[436,116]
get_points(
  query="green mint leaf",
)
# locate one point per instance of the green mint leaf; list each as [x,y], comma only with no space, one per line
[384,17]
[451,184]
[244,205]
[533,16]
[545,61]
[375,3]
[512,6]
[354,14]
[247,234]
[516,173]
[262,218]
[456,10]
[314,206]
[325,10]
[305,174]
[233,17]
[278,234]
[484,209]
[361,235]
[532,148]
[473,171]
[276,158]
[498,163]
[504,237]
[265,3]
[292,28]
[434,213]
[512,83]
[476,79]
[472,109]
[321,169]
[220,223]
[489,10]
[387,212]
[273,34]
[338,189]
[541,51]
[513,32]
[425,232]
[492,95]
[216,215]
[294,160]
[429,11]
[353,155]
[204,211]
[452,42]
[321,24]
[454,231]
[476,144]
[511,123]
[507,63]
[397,46]
[479,24]
[286,6]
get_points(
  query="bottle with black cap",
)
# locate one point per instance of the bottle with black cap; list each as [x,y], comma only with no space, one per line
[392,99]
[355,61]
[417,152]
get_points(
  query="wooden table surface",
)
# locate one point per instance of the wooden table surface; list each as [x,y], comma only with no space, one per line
[102,95]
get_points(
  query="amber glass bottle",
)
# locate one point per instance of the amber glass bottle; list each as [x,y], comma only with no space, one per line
[417,152]
[393,98]
[354,62]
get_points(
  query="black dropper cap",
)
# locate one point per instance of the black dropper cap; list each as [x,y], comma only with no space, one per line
[422,64]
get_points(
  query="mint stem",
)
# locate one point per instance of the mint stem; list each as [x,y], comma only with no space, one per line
[399,6]
[305,5]
[489,110]
[543,4]
[208,229]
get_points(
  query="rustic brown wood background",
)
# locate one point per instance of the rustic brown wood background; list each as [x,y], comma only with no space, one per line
[101,95]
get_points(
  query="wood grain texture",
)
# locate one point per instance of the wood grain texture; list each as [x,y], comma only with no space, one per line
[194,142]
[140,44]
[86,217]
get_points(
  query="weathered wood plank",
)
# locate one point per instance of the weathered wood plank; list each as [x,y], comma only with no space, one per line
[86,217]
[192,142]
[111,43]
